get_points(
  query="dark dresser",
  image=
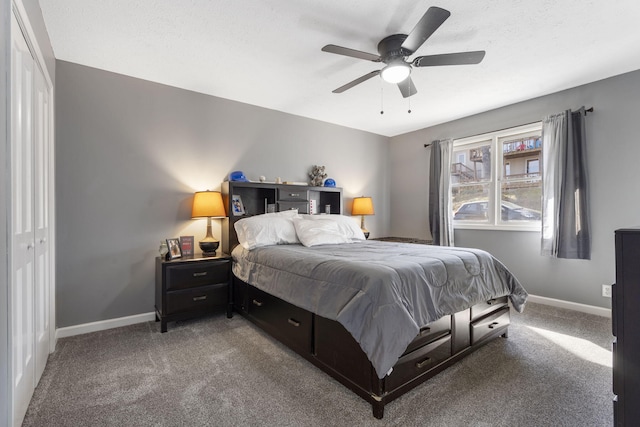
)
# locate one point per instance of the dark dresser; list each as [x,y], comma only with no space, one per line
[625,316]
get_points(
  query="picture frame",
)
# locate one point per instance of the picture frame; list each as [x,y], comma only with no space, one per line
[174,249]
[186,245]
[237,208]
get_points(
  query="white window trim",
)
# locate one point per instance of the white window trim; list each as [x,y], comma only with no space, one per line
[497,166]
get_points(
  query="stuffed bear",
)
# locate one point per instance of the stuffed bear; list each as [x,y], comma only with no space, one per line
[317,175]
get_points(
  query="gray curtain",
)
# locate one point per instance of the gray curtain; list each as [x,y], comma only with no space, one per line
[565,196]
[440,212]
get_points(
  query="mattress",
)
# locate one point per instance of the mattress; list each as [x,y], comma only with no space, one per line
[381,292]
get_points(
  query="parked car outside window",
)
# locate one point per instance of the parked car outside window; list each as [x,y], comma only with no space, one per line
[472,211]
[478,211]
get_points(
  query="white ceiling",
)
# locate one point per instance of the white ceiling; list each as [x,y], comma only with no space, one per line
[267,52]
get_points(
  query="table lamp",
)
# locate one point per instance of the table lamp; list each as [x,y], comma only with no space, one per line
[208,204]
[362,206]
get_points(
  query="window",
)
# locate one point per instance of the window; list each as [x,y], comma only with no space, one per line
[496,179]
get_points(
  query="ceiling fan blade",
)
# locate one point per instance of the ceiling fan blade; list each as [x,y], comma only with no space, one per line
[428,24]
[357,81]
[407,88]
[461,58]
[332,48]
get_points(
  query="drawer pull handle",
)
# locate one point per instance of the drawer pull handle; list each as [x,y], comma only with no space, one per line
[493,325]
[294,194]
[425,330]
[424,363]
[204,273]
[293,322]
[491,302]
[257,303]
[202,298]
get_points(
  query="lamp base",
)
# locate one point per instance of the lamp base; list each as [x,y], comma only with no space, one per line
[209,245]
[209,248]
[363,228]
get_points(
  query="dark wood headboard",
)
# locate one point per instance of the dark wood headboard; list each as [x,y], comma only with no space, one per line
[258,198]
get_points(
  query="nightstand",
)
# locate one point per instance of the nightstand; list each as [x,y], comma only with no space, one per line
[190,287]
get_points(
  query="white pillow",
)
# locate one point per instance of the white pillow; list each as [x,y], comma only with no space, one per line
[348,225]
[312,232]
[267,229]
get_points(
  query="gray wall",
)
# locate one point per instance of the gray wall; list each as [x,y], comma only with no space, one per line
[613,153]
[130,154]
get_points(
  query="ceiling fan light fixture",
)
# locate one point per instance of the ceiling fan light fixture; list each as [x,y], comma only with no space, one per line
[395,72]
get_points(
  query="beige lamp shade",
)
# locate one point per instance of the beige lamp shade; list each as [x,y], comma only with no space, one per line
[362,206]
[208,204]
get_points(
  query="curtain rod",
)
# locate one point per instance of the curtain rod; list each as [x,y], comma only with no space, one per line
[587,110]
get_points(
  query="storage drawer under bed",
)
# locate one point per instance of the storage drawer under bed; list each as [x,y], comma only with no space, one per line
[412,365]
[431,332]
[490,325]
[286,322]
[337,349]
[487,307]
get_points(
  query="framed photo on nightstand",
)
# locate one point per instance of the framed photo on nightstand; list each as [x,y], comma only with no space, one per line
[236,205]
[174,248]
[186,245]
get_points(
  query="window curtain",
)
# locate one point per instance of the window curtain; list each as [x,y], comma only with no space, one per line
[565,197]
[440,212]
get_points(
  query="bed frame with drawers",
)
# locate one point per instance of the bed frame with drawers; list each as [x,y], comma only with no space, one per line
[329,346]
[326,343]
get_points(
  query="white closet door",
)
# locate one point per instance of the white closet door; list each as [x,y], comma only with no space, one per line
[42,284]
[23,236]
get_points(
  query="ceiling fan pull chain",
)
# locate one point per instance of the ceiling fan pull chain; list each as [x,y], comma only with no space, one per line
[381,99]
[409,97]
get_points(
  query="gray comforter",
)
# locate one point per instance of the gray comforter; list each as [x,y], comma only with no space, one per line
[381,292]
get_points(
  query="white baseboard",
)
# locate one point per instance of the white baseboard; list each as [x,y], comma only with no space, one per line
[147,317]
[104,325]
[584,308]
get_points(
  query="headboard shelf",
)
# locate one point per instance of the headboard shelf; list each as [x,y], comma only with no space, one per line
[256,198]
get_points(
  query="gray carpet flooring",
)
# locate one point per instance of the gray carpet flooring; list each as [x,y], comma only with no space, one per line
[553,370]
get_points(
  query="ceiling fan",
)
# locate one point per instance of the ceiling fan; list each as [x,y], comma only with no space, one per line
[394,49]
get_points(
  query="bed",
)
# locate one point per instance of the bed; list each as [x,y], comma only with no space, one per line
[380,317]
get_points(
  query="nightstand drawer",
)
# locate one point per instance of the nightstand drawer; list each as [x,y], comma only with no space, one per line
[197,300]
[192,275]
[293,194]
